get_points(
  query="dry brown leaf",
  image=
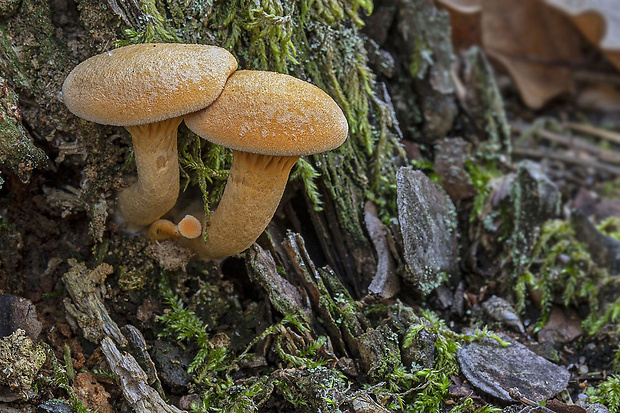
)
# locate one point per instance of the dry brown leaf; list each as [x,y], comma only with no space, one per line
[534,42]
[465,22]
[598,20]
[536,45]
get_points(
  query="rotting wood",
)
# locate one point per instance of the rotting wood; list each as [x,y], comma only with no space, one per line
[87,309]
[133,381]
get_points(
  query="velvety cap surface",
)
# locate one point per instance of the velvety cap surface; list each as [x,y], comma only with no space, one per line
[272,114]
[145,83]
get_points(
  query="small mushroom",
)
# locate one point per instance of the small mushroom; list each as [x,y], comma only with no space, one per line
[269,120]
[189,227]
[147,88]
[163,229]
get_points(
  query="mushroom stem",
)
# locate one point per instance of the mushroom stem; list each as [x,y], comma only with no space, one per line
[162,229]
[253,191]
[157,188]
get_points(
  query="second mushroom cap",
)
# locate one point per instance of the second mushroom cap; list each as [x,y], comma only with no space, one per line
[272,114]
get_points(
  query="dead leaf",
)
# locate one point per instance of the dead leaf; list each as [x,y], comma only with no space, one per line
[464,21]
[598,20]
[563,326]
[463,6]
[534,42]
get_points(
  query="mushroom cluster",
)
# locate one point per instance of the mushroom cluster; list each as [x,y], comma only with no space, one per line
[268,120]
[147,88]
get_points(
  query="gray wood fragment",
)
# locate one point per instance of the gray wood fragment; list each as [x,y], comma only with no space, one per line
[138,347]
[500,310]
[498,370]
[427,220]
[133,381]
[283,295]
[86,288]
[365,404]
[385,283]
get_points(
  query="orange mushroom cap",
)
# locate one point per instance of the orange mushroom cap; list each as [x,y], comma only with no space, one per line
[271,114]
[147,83]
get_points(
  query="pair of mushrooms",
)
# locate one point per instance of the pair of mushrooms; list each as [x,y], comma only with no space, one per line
[268,119]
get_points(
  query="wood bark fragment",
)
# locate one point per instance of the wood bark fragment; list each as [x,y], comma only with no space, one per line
[604,155]
[87,310]
[133,381]
[609,135]
[138,347]
[385,283]
[282,294]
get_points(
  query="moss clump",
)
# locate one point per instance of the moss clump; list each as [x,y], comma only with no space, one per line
[607,393]
[206,166]
[154,29]
[481,176]
[20,361]
[416,388]
[565,270]
[215,362]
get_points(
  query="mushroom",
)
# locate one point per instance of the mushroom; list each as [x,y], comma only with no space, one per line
[269,120]
[189,227]
[163,229]
[147,88]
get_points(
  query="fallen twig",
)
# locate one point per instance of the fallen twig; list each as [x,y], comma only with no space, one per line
[574,142]
[542,153]
[595,131]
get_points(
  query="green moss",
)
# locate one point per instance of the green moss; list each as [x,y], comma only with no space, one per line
[565,270]
[305,172]
[607,393]
[611,227]
[414,388]
[481,176]
[213,365]
[205,165]
[420,59]
[155,28]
